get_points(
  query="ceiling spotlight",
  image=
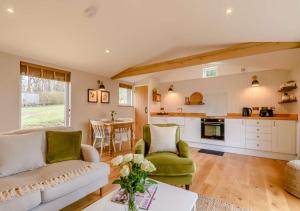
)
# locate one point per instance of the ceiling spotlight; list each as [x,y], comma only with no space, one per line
[10,10]
[228,11]
[107,51]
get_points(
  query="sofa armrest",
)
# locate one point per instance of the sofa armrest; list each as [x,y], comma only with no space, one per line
[140,147]
[89,153]
[183,149]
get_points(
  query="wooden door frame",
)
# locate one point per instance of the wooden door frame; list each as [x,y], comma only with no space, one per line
[148,114]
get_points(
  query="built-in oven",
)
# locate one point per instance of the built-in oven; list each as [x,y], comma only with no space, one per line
[212,129]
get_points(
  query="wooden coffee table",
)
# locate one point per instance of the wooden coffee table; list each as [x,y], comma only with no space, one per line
[166,198]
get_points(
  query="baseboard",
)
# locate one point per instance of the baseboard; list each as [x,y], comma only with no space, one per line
[255,153]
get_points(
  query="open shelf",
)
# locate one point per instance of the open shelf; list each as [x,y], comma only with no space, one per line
[287,101]
[194,103]
[287,89]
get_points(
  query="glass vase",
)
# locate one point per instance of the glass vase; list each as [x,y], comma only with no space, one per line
[131,203]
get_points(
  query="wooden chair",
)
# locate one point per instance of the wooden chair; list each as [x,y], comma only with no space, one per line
[99,134]
[123,133]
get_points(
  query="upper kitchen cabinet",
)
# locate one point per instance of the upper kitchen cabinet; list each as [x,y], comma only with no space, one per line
[235,133]
[284,137]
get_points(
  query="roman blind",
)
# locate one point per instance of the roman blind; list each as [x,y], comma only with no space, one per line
[125,86]
[39,71]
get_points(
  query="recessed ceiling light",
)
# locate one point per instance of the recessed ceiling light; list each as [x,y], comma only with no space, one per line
[228,11]
[10,10]
[107,51]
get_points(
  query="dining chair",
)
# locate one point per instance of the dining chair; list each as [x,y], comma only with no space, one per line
[100,134]
[123,133]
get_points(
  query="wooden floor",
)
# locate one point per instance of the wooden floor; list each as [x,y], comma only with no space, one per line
[249,182]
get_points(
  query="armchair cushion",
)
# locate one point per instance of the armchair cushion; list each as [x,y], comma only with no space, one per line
[89,153]
[140,147]
[163,139]
[183,149]
[170,164]
[147,134]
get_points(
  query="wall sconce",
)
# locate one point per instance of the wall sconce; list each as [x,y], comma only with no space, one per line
[255,82]
[171,88]
[101,86]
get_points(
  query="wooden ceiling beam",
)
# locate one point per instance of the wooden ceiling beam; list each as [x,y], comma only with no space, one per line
[232,52]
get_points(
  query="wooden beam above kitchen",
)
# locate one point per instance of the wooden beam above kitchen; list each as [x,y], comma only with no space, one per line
[232,52]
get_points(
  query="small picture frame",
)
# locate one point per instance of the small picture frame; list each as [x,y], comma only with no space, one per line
[105,96]
[92,95]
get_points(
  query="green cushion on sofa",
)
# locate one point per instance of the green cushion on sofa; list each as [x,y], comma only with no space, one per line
[170,164]
[62,146]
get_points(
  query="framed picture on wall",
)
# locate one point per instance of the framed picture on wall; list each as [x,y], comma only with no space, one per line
[105,97]
[92,95]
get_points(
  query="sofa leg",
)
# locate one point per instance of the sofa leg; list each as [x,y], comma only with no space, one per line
[187,187]
[100,192]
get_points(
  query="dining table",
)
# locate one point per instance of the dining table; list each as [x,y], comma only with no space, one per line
[112,127]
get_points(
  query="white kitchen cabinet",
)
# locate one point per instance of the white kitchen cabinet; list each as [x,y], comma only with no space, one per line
[176,120]
[169,120]
[284,136]
[235,133]
[159,120]
[192,130]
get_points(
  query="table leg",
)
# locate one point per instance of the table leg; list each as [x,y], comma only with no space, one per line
[131,138]
[111,141]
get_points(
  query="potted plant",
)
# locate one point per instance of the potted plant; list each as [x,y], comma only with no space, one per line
[134,169]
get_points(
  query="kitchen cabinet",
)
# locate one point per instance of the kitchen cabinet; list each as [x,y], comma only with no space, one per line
[284,137]
[235,133]
[159,120]
[259,135]
[170,120]
[277,136]
[178,121]
[192,129]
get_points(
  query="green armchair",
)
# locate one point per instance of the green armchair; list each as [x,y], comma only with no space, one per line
[174,169]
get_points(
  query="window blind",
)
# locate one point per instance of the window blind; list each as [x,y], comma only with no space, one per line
[126,86]
[39,71]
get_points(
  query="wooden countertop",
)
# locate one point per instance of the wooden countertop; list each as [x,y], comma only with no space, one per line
[292,117]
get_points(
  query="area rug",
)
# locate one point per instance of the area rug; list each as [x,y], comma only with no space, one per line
[205,203]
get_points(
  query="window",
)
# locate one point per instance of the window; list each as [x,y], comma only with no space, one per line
[125,95]
[209,72]
[44,97]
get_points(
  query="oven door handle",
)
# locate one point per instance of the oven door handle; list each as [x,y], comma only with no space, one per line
[213,124]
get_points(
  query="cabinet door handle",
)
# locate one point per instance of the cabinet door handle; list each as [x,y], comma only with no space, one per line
[257,136]
[257,145]
[257,129]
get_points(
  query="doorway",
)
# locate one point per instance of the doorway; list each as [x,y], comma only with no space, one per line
[141,110]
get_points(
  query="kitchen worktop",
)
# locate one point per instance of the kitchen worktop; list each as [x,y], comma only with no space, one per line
[292,117]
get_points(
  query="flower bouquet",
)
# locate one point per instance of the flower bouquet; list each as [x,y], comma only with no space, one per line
[134,175]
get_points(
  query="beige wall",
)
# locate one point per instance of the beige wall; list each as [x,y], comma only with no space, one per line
[295,75]
[9,92]
[228,94]
[81,110]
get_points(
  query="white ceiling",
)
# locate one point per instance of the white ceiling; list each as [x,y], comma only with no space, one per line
[138,31]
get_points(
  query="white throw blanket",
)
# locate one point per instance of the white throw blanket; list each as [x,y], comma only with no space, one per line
[43,178]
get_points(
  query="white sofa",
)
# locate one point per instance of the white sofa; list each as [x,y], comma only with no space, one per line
[59,196]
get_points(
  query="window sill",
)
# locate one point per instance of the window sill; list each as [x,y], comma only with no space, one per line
[120,105]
